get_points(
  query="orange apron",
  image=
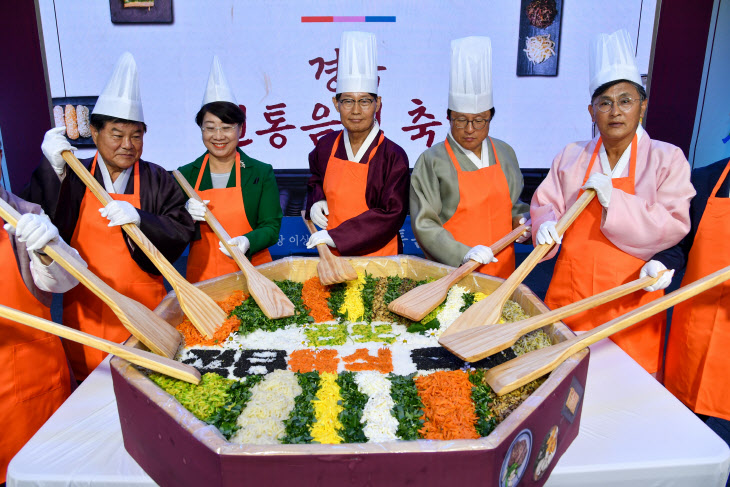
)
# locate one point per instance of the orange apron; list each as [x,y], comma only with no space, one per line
[697,355]
[104,249]
[344,187]
[484,213]
[205,260]
[589,263]
[34,378]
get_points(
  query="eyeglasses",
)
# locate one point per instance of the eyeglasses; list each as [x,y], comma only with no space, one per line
[477,123]
[606,105]
[225,129]
[349,103]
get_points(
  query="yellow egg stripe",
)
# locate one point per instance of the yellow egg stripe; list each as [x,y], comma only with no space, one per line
[352,303]
[327,411]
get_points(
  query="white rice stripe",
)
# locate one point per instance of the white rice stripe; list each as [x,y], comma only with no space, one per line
[380,425]
[272,400]
[450,311]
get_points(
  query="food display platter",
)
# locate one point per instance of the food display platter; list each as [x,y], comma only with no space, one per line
[175,448]
[76,101]
[549,27]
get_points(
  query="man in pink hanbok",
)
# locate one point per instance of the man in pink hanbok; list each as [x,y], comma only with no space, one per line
[643,193]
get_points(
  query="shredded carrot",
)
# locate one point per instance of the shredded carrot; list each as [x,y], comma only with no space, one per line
[193,337]
[448,410]
[307,360]
[314,297]
[361,360]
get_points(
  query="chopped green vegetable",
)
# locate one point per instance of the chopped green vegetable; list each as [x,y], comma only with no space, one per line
[481,395]
[408,408]
[252,318]
[239,393]
[353,402]
[300,421]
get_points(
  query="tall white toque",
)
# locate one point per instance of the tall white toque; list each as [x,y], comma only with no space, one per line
[121,97]
[470,84]
[218,88]
[357,68]
[611,58]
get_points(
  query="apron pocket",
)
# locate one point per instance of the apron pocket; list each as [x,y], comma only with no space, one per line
[38,367]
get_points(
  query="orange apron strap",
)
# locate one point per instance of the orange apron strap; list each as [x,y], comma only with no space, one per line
[136,173]
[375,149]
[632,160]
[451,155]
[721,180]
[202,170]
[494,149]
[593,160]
[334,146]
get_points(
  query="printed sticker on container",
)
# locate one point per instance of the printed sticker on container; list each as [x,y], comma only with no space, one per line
[515,462]
[547,453]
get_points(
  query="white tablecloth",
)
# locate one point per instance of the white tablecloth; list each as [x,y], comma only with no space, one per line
[632,433]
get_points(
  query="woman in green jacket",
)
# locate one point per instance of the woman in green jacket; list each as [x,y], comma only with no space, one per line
[240,191]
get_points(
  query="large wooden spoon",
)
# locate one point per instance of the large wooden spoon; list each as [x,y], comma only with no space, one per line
[479,342]
[489,309]
[420,301]
[272,300]
[148,360]
[331,269]
[200,308]
[517,372]
[149,328]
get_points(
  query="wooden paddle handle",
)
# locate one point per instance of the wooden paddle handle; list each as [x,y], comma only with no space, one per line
[505,241]
[322,248]
[569,216]
[140,357]
[658,305]
[149,249]
[220,232]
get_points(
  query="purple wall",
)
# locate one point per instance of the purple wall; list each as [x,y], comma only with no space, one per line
[679,56]
[24,101]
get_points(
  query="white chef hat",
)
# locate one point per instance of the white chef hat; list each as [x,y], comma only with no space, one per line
[121,97]
[357,68]
[611,58]
[217,88]
[470,84]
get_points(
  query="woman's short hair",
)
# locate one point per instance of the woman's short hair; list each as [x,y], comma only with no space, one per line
[225,110]
[605,86]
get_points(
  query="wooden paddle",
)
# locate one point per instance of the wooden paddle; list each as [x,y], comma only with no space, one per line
[149,328]
[331,269]
[145,359]
[200,308]
[489,309]
[517,372]
[481,341]
[420,301]
[272,300]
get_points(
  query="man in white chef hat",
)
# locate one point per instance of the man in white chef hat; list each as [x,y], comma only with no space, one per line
[358,192]
[643,192]
[465,190]
[144,194]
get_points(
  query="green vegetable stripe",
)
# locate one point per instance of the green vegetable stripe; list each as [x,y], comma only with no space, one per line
[468,301]
[353,402]
[252,318]
[481,396]
[408,407]
[239,393]
[201,400]
[394,283]
[301,419]
[321,334]
[337,298]
[367,294]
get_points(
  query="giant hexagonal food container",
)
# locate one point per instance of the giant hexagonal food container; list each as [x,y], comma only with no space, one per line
[176,448]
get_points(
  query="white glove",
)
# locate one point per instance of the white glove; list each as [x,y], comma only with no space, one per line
[35,230]
[481,254]
[54,142]
[241,242]
[320,237]
[603,186]
[548,233]
[525,236]
[197,209]
[653,268]
[120,213]
[318,212]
